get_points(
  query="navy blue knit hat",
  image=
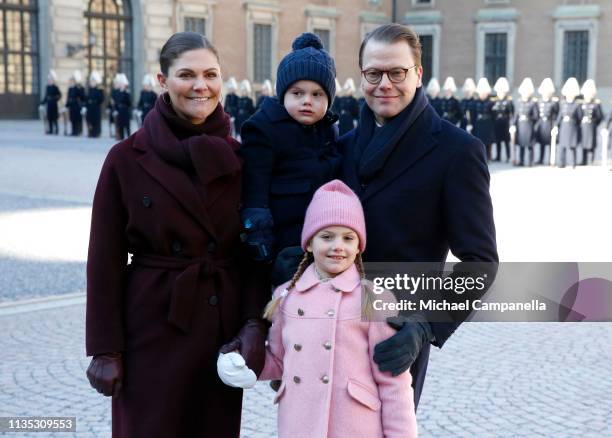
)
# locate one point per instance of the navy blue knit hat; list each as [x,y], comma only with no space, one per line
[308,61]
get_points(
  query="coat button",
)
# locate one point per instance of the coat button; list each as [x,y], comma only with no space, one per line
[300,312]
[214,300]
[297,379]
[297,347]
[327,345]
[325,379]
[331,312]
[212,247]
[177,247]
[146,201]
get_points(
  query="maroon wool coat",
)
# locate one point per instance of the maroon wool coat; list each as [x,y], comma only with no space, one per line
[186,292]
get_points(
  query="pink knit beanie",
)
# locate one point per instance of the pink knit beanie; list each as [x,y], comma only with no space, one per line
[334,204]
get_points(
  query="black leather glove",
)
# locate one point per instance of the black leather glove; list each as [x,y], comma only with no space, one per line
[105,373]
[259,236]
[251,344]
[397,353]
[286,264]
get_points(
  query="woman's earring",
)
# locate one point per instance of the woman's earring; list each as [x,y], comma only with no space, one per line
[166,98]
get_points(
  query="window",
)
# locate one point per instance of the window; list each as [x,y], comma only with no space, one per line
[262,52]
[496,45]
[575,55]
[324,35]
[109,48]
[195,24]
[427,56]
[421,2]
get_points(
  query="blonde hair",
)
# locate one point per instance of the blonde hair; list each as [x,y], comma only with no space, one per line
[367,294]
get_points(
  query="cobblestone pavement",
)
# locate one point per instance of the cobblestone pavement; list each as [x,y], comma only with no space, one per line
[491,379]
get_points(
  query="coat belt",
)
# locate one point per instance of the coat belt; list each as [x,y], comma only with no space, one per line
[185,286]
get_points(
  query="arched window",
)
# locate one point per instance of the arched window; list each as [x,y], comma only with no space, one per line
[109,39]
[19,86]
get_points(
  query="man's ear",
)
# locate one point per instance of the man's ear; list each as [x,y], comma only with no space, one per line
[420,75]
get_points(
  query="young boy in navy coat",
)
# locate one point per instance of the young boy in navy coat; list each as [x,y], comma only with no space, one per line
[289,150]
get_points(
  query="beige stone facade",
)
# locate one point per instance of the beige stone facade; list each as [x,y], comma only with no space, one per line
[534,34]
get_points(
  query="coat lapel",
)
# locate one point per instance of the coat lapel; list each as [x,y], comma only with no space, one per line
[175,182]
[418,141]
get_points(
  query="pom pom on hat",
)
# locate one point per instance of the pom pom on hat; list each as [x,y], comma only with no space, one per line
[307,40]
[334,204]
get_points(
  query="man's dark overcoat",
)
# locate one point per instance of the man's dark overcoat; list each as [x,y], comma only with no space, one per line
[429,193]
[185,293]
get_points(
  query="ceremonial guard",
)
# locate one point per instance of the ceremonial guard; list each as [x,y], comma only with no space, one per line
[75,102]
[523,123]
[93,105]
[451,110]
[336,106]
[230,105]
[245,105]
[122,106]
[592,116]
[568,123]
[433,93]
[503,110]
[266,91]
[52,97]
[349,108]
[484,127]
[548,110]
[147,97]
[467,105]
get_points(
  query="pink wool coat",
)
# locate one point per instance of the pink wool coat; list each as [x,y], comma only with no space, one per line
[323,351]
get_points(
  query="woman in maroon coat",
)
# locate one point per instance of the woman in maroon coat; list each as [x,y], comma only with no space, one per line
[169,196]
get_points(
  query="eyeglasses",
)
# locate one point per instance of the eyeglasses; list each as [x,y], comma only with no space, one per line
[395,75]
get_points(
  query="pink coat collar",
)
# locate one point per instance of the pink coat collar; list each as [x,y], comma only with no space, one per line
[345,282]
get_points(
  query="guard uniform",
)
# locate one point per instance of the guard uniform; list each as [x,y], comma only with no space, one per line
[525,120]
[484,127]
[548,110]
[592,115]
[503,110]
[568,121]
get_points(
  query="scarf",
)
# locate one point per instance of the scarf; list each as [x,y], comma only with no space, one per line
[206,149]
[375,145]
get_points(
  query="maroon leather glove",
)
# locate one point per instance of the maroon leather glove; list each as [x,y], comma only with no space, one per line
[251,344]
[105,373]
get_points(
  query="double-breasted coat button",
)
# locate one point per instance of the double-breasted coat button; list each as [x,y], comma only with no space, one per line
[212,247]
[297,379]
[147,201]
[297,347]
[331,312]
[325,379]
[327,345]
[177,247]
[214,300]
[300,312]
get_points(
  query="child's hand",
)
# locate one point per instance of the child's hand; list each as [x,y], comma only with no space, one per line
[259,237]
[232,371]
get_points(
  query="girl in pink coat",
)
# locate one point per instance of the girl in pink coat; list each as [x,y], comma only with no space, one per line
[318,344]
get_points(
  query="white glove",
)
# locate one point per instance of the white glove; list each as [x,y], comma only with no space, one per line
[554,131]
[233,371]
[83,111]
[469,128]
[512,129]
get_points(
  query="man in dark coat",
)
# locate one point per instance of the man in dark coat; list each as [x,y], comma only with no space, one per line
[94,101]
[52,97]
[423,182]
[75,101]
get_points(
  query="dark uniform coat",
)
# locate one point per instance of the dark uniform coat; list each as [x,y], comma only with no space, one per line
[503,112]
[525,119]
[349,113]
[568,121]
[284,164]
[231,104]
[424,186]
[547,116]
[146,102]
[52,96]
[592,116]
[94,101]
[436,103]
[244,111]
[468,112]
[451,110]
[484,127]
[122,103]
[75,101]
[185,292]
